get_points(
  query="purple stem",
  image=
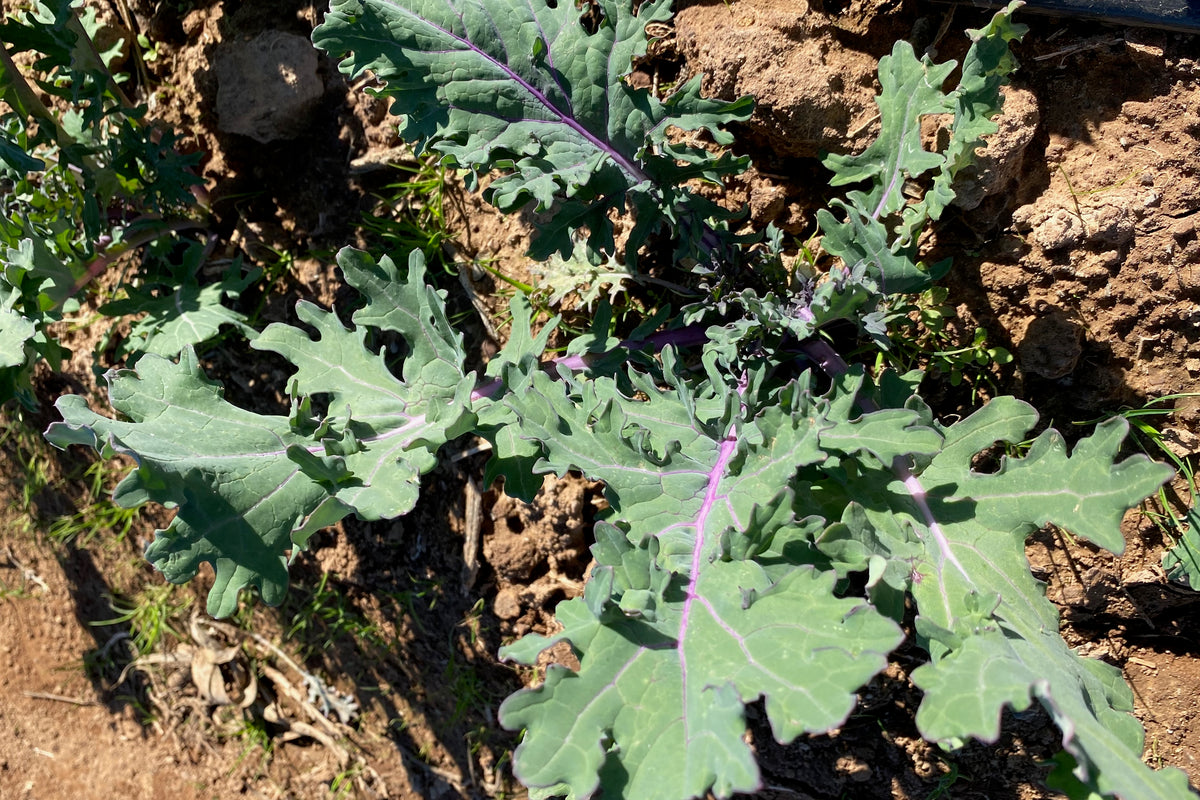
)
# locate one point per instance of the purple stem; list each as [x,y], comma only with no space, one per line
[835,366]
[99,264]
[830,361]
[725,454]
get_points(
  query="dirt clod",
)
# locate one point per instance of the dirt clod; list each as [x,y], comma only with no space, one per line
[998,164]
[812,95]
[267,86]
[1051,345]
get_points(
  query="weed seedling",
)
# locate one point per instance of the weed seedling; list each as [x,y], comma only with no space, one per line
[151,616]
[326,616]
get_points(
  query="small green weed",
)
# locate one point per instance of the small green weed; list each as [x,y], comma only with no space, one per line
[25,452]
[424,593]
[14,593]
[946,782]
[465,686]
[151,616]
[342,784]
[29,460]
[925,339]
[149,49]
[254,735]
[100,516]
[326,615]
[472,622]
[410,214]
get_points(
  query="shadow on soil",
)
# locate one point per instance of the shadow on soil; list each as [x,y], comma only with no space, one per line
[52,483]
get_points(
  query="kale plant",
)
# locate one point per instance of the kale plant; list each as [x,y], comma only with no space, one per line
[774,511]
[85,180]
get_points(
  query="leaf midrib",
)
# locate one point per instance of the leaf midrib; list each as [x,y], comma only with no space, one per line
[627,166]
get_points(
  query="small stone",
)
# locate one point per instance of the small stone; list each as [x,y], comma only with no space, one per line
[855,768]
[1109,225]
[1027,217]
[1063,229]
[266,87]
[1181,442]
[508,603]
[1074,595]
[1051,345]
[193,23]
[1153,51]
[766,203]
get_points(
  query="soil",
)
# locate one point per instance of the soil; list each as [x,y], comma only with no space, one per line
[1076,247]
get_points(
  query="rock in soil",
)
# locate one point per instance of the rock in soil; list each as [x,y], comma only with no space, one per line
[267,86]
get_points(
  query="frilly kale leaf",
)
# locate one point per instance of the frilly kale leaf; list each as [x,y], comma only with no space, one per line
[535,92]
[176,311]
[252,488]
[955,539]
[697,605]
[880,224]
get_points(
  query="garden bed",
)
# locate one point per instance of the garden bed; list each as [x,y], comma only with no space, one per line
[1075,248]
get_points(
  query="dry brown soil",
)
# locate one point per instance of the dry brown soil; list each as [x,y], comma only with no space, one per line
[1076,247]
